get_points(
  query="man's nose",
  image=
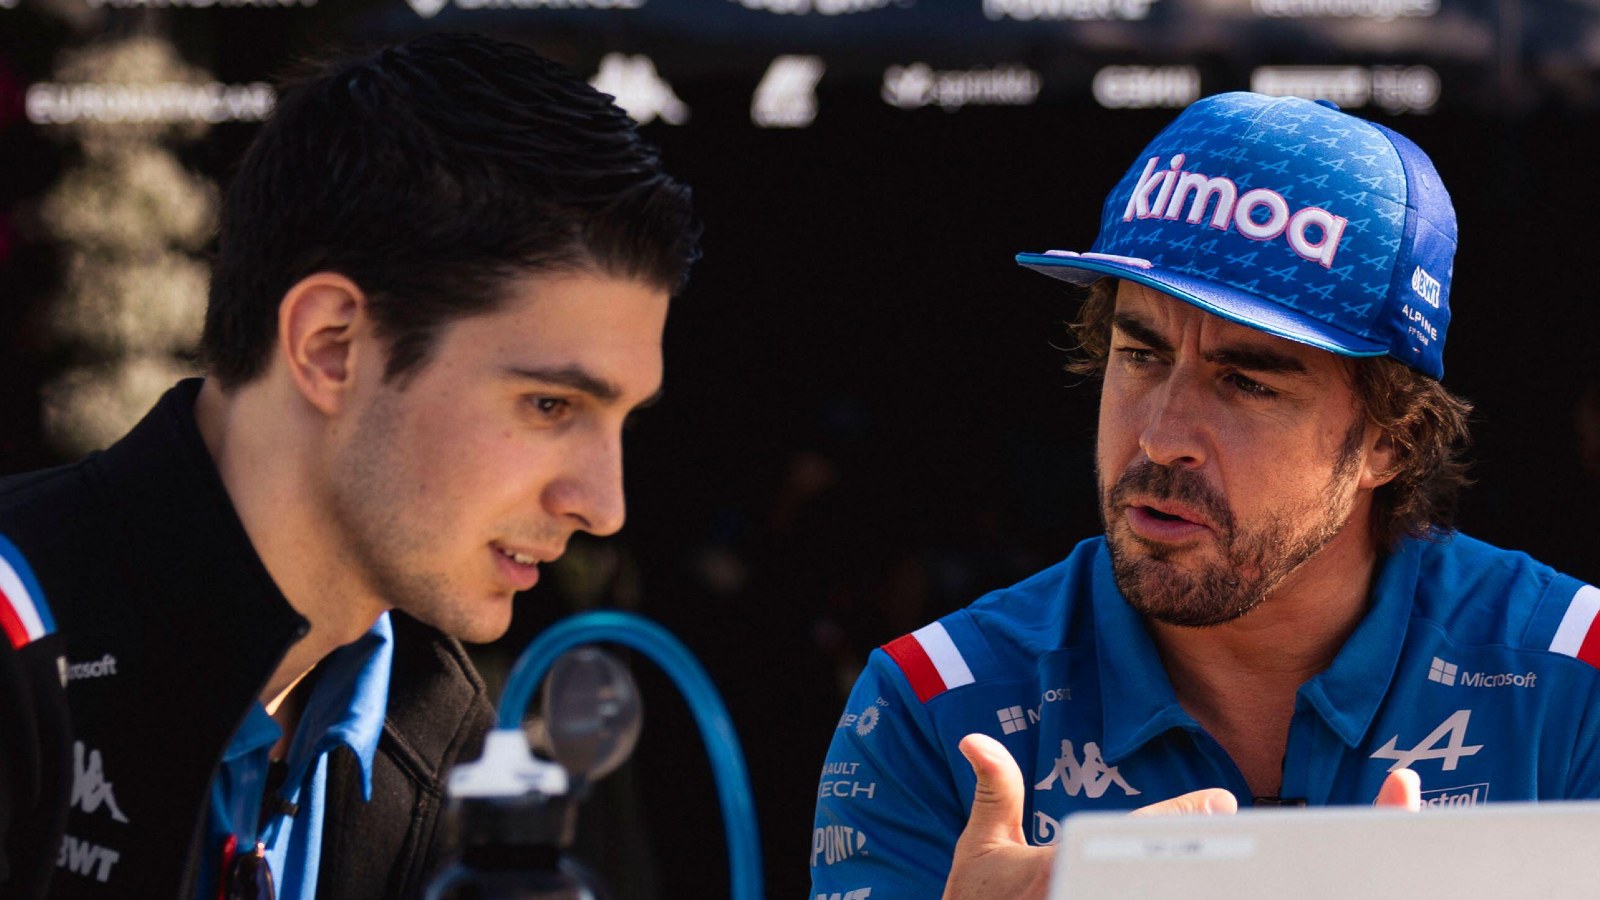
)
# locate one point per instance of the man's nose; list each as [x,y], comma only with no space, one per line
[1175,426]
[590,496]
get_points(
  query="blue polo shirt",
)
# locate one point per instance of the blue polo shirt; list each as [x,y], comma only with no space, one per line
[1473,666]
[346,707]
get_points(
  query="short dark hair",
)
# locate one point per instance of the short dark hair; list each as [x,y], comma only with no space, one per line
[1426,423]
[431,173]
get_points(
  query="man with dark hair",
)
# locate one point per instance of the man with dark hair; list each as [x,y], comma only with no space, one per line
[1279,612]
[443,274]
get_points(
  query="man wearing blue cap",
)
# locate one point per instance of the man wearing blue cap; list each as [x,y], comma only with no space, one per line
[1279,612]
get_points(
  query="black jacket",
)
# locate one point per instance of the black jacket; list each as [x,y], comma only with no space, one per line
[172,627]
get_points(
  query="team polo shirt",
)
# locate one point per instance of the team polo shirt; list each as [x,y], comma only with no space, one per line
[1474,667]
[345,708]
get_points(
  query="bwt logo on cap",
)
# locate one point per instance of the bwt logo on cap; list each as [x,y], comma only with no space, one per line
[1173,187]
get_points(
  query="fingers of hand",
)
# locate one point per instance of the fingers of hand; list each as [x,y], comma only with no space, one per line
[1402,789]
[1209,802]
[998,799]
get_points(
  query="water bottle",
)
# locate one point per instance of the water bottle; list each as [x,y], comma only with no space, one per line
[514,814]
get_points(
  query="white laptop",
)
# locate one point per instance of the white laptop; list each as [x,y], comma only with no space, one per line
[1547,851]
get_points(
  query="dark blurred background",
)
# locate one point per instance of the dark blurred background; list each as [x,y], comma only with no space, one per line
[866,424]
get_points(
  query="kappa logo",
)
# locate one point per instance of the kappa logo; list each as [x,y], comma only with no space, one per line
[90,789]
[1092,776]
[1312,232]
[639,89]
[1454,728]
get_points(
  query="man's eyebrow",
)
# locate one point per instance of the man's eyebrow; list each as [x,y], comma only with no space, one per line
[573,377]
[1248,358]
[1139,331]
[1257,359]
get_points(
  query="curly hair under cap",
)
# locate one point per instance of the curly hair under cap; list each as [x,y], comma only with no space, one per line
[1426,423]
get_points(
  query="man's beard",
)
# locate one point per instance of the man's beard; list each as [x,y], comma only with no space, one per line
[1254,560]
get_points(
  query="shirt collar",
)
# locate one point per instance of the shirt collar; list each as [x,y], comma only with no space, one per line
[1136,697]
[1348,692]
[347,704]
[258,731]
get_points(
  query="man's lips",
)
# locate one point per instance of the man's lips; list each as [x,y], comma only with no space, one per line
[1174,510]
[520,565]
[1166,521]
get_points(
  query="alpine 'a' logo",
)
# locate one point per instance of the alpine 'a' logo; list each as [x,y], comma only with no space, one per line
[1454,728]
[1312,232]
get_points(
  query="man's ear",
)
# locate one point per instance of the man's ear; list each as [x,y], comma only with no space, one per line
[1383,457]
[319,323]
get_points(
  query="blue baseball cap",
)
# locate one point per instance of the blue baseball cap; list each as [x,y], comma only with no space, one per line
[1289,216]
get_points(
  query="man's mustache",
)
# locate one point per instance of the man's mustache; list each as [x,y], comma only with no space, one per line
[1186,486]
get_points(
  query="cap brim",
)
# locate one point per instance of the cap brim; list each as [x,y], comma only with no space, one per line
[1220,300]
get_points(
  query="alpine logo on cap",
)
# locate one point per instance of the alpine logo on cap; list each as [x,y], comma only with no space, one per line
[1312,232]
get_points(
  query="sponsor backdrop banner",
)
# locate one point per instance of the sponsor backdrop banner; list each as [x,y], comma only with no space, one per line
[865,423]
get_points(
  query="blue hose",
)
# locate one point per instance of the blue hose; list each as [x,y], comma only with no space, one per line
[716,728]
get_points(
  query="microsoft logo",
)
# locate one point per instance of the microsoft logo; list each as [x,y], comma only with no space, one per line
[1012,719]
[1442,672]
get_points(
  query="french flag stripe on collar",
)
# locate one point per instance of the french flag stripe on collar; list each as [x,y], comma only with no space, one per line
[930,661]
[1579,634]
[24,617]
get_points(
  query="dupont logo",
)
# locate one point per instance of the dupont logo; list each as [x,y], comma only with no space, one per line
[1012,719]
[836,843]
[1466,795]
[1426,286]
[1441,671]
